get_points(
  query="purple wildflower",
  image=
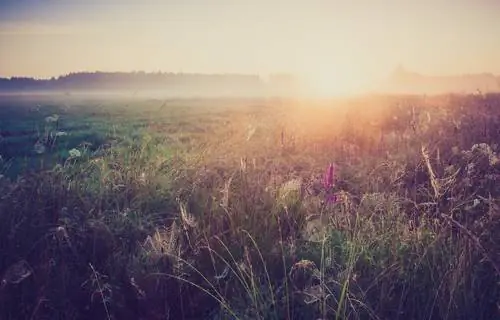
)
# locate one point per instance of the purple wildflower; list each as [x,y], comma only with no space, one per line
[328,180]
[328,184]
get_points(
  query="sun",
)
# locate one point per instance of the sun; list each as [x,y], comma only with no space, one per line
[334,83]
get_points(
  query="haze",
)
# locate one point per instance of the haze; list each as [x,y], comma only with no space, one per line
[338,46]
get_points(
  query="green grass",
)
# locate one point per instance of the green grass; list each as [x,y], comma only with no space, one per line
[215,210]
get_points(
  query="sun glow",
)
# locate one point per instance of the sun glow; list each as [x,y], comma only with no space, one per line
[341,44]
[335,83]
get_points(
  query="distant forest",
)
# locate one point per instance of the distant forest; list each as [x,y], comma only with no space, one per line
[178,83]
[194,84]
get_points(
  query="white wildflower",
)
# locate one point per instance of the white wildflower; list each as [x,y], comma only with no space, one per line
[74,153]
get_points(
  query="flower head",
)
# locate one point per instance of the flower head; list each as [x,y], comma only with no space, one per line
[74,153]
[329,177]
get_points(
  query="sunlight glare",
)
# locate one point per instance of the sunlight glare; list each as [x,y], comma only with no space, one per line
[335,83]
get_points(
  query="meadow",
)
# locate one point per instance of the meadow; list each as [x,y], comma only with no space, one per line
[372,207]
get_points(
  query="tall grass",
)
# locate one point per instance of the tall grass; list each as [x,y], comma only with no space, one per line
[237,226]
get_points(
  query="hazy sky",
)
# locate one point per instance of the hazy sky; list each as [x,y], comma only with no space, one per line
[342,42]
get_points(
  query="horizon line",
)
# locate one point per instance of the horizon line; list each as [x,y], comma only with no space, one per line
[296,75]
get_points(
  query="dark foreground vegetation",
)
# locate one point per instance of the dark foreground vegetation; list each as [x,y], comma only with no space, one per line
[373,208]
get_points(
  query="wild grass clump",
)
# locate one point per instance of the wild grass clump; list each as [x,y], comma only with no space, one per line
[392,216]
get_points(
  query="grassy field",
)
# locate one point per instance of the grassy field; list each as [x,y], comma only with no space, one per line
[366,208]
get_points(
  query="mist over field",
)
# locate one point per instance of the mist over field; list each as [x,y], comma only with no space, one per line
[170,85]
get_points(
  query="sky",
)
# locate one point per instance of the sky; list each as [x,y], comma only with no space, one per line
[341,44]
